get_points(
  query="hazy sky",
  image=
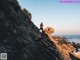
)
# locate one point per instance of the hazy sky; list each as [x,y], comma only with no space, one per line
[63,17]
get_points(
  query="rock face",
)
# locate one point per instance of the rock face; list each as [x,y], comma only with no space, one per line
[73,57]
[20,38]
[49,30]
[66,50]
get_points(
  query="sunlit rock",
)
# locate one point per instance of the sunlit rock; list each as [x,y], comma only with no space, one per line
[49,30]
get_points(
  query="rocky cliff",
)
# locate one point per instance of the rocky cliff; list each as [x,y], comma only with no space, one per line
[20,38]
[66,50]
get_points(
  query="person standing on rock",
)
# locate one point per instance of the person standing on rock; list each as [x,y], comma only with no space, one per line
[41,27]
[41,30]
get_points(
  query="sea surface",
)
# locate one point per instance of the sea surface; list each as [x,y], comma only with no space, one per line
[72,38]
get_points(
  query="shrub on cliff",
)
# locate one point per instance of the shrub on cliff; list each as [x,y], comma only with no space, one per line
[27,13]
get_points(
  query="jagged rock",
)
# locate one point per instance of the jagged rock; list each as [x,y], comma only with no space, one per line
[62,45]
[73,58]
[49,30]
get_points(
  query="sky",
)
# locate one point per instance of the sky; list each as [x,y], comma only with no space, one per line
[63,17]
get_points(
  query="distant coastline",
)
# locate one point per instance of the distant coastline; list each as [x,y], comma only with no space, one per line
[71,38]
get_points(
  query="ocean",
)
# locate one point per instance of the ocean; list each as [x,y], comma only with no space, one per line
[72,38]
